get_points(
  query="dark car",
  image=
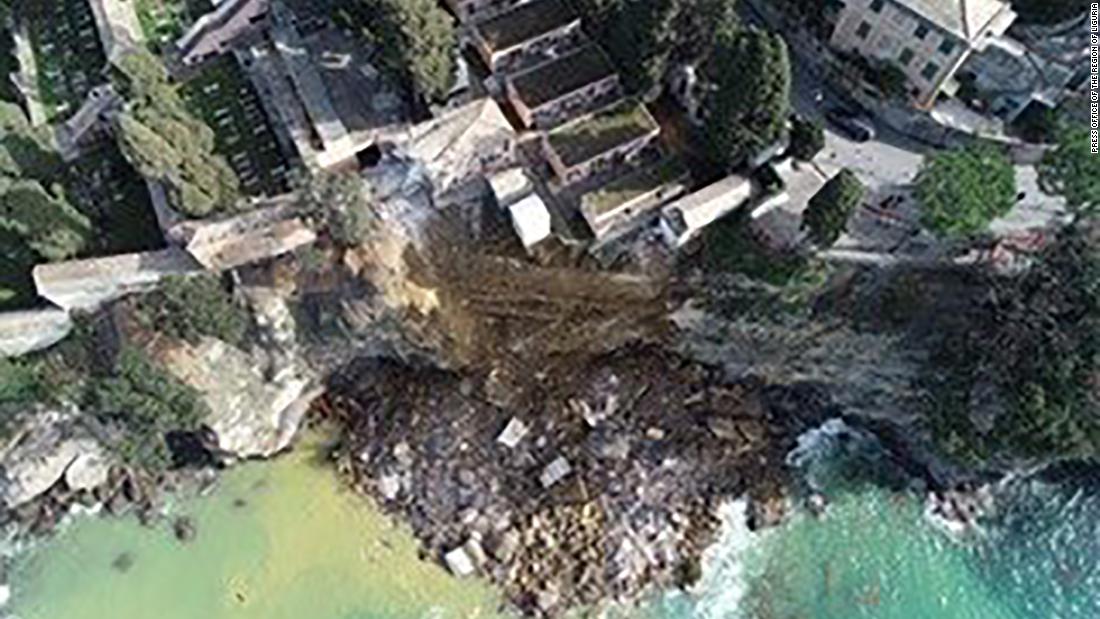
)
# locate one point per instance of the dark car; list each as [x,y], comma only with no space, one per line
[851,124]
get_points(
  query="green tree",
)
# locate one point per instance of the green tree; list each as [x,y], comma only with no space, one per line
[51,227]
[417,38]
[745,109]
[164,142]
[337,202]
[807,138]
[147,404]
[1070,169]
[191,307]
[962,191]
[645,37]
[827,214]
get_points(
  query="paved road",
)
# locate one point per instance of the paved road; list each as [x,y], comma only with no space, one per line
[889,160]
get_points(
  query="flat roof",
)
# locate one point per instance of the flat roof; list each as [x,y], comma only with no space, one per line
[590,136]
[632,185]
[525,22]
[555,79]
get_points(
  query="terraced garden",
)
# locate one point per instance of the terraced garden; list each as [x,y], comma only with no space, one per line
[224,98]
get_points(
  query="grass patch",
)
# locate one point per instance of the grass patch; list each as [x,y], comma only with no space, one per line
[165,21]
[223,98]
[632,185]
[68,53]
[584,139]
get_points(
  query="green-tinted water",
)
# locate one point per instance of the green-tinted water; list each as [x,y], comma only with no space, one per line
[299,548]
[276,540]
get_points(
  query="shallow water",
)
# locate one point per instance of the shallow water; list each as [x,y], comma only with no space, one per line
[275,540]
[300,548]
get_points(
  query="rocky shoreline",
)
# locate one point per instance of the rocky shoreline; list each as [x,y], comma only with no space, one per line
[594,484]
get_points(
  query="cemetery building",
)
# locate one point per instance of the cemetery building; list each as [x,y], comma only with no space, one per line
[563,88]
[506,40]
[607,137]
[630,197]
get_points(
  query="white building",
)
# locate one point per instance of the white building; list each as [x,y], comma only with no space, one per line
[683,219]
[531,220]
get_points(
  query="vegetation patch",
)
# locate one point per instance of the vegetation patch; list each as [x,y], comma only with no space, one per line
[591,136]
[165,21]
[188,308]
[962,191]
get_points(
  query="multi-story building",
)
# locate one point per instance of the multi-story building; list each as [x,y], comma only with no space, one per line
[605,138]
[563,88]
[927,39]
[528,30]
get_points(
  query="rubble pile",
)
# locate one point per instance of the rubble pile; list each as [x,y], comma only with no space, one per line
[595,482]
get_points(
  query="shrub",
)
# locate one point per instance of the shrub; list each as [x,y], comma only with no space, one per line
[190,307]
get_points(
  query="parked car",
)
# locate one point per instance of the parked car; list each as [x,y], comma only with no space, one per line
[853,125]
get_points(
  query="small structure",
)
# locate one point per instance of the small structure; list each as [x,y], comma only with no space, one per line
[469,10]
[682,219]
[458,562]
[559,89]
[615,133]
[234,241]
[513,433]
[632,195]
[85,284]
[465,143]
[216,32]
[555,472]
[90,124]
[531,220]
[527,29]
[510,186]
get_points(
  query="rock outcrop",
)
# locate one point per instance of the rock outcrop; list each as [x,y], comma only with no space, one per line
[252,414]
[50,447]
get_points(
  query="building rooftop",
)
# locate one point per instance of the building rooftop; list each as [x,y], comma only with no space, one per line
[963,18]
[555,79]
[590,136]
[525,22]
[631,186]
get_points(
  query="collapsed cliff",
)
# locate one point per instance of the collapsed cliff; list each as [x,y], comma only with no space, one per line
[596,482]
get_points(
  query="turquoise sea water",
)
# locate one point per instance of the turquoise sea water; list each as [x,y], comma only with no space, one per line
[301,548]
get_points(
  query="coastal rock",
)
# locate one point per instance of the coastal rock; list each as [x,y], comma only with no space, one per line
[89,470]
[251,415]
[41,453]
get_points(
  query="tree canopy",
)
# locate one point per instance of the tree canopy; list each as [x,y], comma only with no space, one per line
[37,222]
[645,37]
[1029,353]
[147,403]
[1070,169]
[417,38]
[190,307]
[807,138]
[746,108]
[338,203]
[164,142]
[962,191]
[828,212]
